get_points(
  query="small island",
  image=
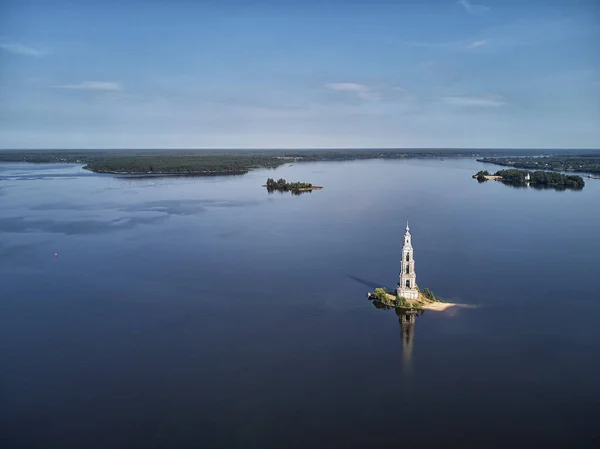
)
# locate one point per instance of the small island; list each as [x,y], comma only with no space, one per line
[281,185]
[425,300]
[537,179]
[408,296]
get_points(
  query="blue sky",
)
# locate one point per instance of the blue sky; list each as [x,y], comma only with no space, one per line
[299,74]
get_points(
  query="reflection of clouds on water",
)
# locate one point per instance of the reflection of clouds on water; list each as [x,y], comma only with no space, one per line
[230,234]
[88,226]
[172,207]
[120,190]
[9,249]
[129,182]
[119,221]
[64,206]
[50,177]
[99,218]
[185,207]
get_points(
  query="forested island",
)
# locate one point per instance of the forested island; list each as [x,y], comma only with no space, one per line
[198,165]
[585,163]
[281,185]
[536,179]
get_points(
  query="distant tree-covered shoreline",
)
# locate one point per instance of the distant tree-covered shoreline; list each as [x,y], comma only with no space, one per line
[588,164]
[227,162]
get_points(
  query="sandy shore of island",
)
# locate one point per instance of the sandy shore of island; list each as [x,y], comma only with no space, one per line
[426,304]
[437,306]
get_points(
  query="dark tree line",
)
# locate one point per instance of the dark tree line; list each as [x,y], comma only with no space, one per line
[182,164]
[588,164]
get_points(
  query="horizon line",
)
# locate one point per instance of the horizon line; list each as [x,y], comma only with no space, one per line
[307,149]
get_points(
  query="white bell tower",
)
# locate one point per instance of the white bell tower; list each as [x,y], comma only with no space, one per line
[407,287]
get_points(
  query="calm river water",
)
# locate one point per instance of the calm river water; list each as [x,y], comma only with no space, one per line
[205,312]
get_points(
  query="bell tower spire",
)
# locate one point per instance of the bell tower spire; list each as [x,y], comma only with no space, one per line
[407,287]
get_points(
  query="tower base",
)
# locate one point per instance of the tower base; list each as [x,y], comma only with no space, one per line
[408,293]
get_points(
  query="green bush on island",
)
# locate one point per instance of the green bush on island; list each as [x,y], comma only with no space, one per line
[402,302]
[481,175]
[381,294]
[429,295]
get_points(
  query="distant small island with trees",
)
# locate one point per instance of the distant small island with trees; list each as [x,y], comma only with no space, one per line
[281,185]
[536,179]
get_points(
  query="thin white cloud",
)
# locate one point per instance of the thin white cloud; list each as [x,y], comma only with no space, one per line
[20,49]
[476,44]
[91,85]
[360,90]
[424,44]
[459,100]
[506,36]
[373,94]
[348,87]
[449,45]
[472,8]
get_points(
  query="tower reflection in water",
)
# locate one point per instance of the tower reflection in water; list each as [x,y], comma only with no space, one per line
[407,319]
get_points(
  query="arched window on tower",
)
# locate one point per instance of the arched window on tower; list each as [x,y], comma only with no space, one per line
[407,257]
[407,269]
[408,283]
